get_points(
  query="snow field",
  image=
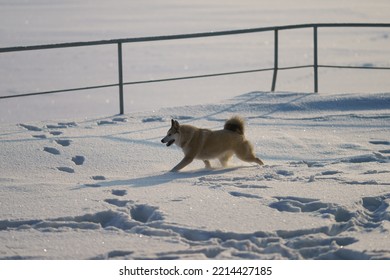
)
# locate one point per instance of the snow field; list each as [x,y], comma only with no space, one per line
[99,189]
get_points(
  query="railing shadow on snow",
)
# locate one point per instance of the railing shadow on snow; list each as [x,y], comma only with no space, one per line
[275,29]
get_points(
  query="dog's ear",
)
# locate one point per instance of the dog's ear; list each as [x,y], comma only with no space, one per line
[175,124]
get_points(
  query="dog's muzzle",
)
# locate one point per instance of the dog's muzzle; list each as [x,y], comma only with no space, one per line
[170,142]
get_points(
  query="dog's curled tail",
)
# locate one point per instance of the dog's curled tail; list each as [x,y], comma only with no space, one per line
[235,124]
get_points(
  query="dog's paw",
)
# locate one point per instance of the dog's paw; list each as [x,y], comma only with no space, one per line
[259,161]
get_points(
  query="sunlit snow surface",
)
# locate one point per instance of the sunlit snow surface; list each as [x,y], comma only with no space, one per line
[101,188]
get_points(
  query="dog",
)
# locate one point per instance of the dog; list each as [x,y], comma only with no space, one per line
[206,144]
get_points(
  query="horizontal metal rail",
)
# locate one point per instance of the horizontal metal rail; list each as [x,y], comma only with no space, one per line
[188,36]
[354,67]
[198,76]
[58,91]
[275,69]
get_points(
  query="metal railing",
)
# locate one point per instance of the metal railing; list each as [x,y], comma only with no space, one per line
[276,29]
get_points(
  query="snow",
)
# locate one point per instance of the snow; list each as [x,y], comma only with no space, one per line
[79,182]
[101,189]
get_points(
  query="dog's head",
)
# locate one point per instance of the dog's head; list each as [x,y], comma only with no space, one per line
[172,134]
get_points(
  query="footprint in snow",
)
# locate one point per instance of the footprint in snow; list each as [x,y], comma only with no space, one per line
[380,142]
[61,125]
[51,150]
[40,136]
[309,205]
[78,160]
[63,143]
[98,178]
[117,202]
[55,133]
[297,204]
[244,195]
[285,172]
[112,121]
[66,169]
[120,119]
[119,192]
[105,122]
[30,127]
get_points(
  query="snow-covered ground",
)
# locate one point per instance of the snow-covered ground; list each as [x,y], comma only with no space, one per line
[77,184]
[101,188]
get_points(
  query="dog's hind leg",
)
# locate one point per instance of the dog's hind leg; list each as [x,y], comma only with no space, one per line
[225,158]
[207,164]
[251,158]
[245,153]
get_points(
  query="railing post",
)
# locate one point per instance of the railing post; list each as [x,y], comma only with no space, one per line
[315,46]
[276,43]
[120,76]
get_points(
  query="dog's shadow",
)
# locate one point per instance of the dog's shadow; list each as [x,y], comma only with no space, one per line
[159,179]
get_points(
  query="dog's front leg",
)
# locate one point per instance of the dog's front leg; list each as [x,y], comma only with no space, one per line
[184,162]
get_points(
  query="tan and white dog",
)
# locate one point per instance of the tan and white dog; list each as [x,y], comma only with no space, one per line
[205,144]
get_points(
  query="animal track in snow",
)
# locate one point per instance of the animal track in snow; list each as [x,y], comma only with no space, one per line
[309,205]
[66,169]
[40,136]
[78,160]
[64,143]
[120,119]
[237,182]
[325,242]
[119,192]
[380,142]
[330,172]
[62,125]
[374,157]
[112,121]
[117,202]
[115,254]
[30,127]
[245,195]
[145,213]
[153,119]
[105,122]
[55,133]
[297,204]
[374,210]
[377,207]
[248,186]
[51,150]
[98,178]
[285,172]
[106,219]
